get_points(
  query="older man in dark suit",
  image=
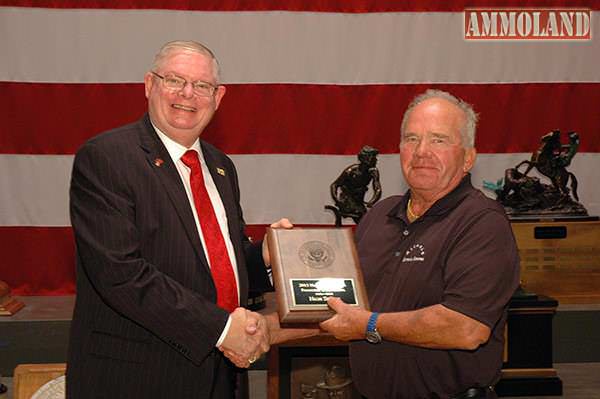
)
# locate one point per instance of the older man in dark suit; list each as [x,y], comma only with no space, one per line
[162,259]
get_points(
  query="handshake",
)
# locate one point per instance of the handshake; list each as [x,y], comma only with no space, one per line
[252,334]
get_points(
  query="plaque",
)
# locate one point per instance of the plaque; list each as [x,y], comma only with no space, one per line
[311,265]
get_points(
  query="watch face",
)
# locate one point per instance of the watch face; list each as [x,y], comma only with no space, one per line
[373,337]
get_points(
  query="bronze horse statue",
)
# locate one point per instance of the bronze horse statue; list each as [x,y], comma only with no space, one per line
[552,159]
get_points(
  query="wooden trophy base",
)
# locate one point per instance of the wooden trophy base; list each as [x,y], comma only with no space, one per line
[528,368]
[8,305]
[560,258]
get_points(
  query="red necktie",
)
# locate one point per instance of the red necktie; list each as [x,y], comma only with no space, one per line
[220,264]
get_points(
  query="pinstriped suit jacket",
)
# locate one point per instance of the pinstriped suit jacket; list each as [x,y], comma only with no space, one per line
[145,320]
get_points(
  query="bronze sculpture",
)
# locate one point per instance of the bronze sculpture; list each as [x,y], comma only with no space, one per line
[551,160]
[336,383]
[524,195]
[349,189]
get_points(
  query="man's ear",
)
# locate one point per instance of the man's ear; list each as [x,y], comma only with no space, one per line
[470,156]
[148,83]
[219,95]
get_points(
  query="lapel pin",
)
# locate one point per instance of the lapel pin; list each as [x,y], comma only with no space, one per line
[221,171]
[158,162]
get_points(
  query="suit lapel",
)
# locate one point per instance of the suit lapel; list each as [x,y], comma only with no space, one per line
[159,159]
[222,176]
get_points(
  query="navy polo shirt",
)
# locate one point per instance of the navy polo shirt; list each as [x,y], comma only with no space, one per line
[462,254]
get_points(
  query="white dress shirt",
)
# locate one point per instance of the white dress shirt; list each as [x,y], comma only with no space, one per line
[176,151]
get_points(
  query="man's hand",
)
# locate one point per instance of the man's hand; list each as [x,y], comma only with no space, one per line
[280,224]
[247,339]
[349,323]
[280,335]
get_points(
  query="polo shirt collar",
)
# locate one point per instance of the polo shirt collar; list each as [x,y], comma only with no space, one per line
[441,206]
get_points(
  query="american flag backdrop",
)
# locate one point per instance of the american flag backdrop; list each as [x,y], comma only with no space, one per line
[308,84]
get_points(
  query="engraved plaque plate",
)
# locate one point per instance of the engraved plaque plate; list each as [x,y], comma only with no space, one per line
[310,265]
[313,293]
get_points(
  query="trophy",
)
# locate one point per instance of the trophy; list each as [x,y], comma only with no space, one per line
[525,196]
[552,228]
[349,189]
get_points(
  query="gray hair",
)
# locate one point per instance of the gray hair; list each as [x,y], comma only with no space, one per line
[187,45]
[467,132]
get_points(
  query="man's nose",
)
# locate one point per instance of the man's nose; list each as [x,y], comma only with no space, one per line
[422,147]
[187,90]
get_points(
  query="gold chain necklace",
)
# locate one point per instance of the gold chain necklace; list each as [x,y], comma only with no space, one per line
[410,213]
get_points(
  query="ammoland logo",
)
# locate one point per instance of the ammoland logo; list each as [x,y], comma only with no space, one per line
[527,24]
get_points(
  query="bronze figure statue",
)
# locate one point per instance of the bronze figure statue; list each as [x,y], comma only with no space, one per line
[552,159]
[349,189]
[336,383]
[524,195]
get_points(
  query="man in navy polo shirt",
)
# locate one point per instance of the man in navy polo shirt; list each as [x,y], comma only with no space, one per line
[440,265]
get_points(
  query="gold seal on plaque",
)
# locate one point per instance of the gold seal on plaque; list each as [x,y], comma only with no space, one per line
[316,254]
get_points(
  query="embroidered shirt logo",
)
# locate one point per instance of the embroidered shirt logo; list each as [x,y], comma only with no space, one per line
[416,253]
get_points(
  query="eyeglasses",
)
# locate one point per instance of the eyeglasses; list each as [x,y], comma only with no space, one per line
[176,83]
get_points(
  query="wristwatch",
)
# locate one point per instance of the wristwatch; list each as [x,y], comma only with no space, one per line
[372,334]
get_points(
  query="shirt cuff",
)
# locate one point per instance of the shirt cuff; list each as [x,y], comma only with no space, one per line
[224,333]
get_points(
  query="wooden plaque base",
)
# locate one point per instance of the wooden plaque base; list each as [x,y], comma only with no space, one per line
[310,265]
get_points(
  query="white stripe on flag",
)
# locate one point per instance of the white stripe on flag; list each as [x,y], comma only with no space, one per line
[106,46]
[34,189]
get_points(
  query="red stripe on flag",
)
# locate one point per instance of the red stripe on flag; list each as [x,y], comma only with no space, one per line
[350,6]
[299,119]
[38,260]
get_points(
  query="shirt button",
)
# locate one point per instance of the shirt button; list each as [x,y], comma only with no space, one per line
[405,232]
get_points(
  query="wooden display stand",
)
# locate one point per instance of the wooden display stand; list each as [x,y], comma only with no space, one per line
[313,351]
[282,359]
[560,259]
[528,367]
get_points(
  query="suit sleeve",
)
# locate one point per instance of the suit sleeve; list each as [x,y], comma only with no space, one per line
[103,216]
